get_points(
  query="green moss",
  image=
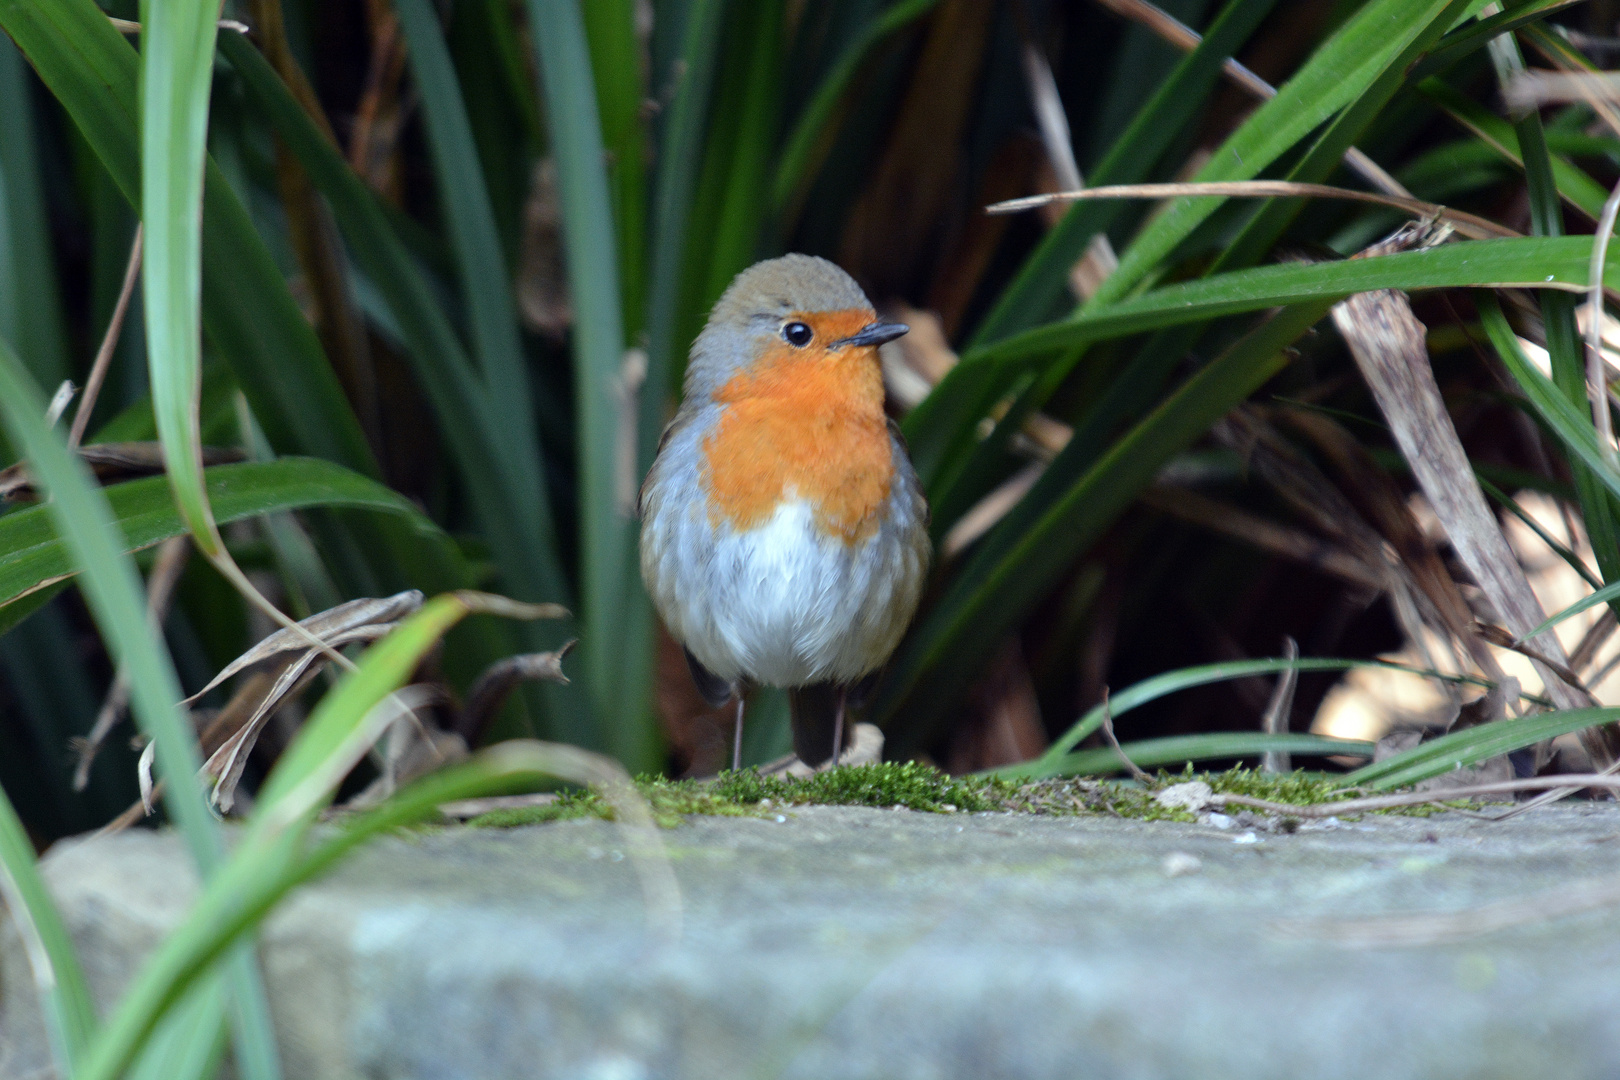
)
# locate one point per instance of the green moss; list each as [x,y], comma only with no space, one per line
[924,788]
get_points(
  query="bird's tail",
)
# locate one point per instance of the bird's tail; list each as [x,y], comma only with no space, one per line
[815,714]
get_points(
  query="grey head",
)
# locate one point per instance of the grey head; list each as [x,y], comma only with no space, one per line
[753,308]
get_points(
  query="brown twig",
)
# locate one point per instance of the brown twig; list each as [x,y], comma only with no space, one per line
[1471,225]
[1187,39]
[166,571]
[109,341]
[1275,720]
[1131,767]
[1502,639]
[1573,781]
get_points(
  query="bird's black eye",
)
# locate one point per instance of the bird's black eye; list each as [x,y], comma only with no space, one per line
[797,334]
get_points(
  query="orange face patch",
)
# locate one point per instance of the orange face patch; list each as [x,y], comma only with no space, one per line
[805,422]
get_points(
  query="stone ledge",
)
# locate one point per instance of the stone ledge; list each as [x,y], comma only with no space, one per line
[852,943]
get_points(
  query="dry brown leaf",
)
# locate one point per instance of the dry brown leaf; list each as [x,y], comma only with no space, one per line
[323,625]
[110,463]
[1389,347]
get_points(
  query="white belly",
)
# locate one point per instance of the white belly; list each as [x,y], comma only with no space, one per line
[782,604]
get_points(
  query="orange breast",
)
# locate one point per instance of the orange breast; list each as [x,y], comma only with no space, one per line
[806,423]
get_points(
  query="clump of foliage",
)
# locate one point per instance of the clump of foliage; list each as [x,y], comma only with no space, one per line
[915,786]
[746,793]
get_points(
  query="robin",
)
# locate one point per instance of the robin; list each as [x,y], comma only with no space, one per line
[784,535]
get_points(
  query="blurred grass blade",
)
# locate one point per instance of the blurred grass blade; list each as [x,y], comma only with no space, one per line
[621,97]
[1170,682]
[116,599]
[1175,749]
[64,995]
[30,304]
[249,314]
[506,494]
[1576,187]
[811,133]
[188,1042]
[271,865]
[486,285]
[33,555]
[1473,745]
[680,154]
[177,67]
[616,619]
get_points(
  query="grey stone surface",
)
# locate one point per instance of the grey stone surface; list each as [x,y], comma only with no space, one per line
[847,943]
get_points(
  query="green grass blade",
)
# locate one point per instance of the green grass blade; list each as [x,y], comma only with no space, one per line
[811,135]
[1604,595]
[115,598]
[1572,426]
[188,1043]
[1566,350]
[1472,745]
[486,286]
[64,995]
[1576,187]
[621,96]
[1174,749]
[33,555]
[30,305]
[1006,576]
[1474,36]
[112,589]
[1529,262]
[248,312]
[1041,285]
[616,619]
[177,67]
[680,155]
[506,495]
[1374,40]
[1170,682]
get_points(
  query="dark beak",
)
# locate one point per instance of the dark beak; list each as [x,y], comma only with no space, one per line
[873,334]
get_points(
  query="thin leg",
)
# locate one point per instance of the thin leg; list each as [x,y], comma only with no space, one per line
[838,729]
[736,736]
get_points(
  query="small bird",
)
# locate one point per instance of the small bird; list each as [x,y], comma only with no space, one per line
[784,535]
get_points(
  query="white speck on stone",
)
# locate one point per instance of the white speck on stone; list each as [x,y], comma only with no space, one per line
[781,818]
[1194,795]
[615,1068]
[1220,821]
[948,808]
[1180,864]
[1247,838]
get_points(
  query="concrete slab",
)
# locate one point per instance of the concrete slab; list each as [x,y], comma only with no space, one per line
[854,943]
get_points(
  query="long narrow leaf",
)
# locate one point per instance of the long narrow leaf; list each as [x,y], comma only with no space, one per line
[33,555]
[1017,563]
[1175,749]
[485,283]
[1170,682]
[64,994]
[1473,745]
[616,646]
[177,66]
[810,130]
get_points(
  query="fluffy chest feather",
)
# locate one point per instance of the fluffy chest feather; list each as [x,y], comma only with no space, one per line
[807,425]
